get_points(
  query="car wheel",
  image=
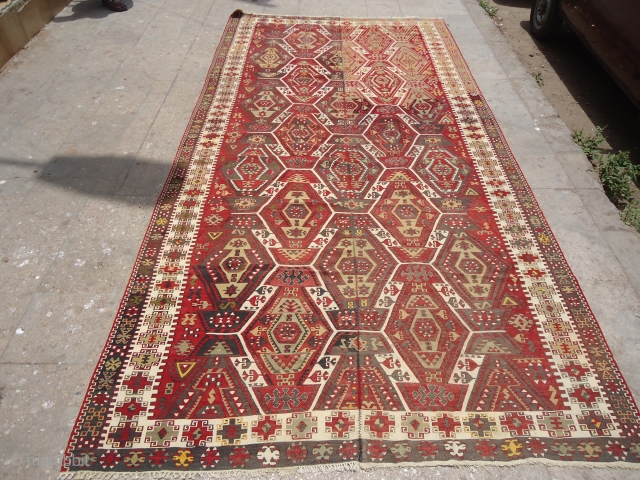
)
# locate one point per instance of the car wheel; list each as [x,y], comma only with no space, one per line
[545,19]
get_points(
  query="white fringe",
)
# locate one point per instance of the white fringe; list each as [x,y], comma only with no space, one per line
[504,464]
[340,467]
[206,474]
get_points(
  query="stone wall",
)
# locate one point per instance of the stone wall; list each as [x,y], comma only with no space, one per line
[21,20]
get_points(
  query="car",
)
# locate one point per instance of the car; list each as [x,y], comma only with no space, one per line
[609,28]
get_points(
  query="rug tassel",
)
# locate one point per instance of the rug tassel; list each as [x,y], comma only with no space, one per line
[237,14]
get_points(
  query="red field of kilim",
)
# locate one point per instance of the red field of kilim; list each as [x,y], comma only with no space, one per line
[346,265]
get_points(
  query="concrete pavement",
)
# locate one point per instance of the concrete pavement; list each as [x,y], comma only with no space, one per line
[91,115]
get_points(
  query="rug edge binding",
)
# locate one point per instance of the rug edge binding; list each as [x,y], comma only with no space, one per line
[594,320]
[346,467]
[145,239]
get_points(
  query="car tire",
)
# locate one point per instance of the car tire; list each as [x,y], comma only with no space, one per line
[545,19]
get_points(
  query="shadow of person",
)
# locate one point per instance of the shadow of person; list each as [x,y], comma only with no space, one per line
[118,178]
[89,9]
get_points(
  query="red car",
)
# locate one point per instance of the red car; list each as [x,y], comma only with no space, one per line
[609,28]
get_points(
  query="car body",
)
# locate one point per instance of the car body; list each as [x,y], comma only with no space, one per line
[611,30]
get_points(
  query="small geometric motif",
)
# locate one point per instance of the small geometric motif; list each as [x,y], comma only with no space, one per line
[347,265]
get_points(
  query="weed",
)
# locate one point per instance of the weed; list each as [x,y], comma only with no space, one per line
[590,144]
[617,174]
[490,9]
[538,78]
[631,214]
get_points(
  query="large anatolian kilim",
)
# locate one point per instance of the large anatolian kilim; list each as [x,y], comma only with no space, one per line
[347,265]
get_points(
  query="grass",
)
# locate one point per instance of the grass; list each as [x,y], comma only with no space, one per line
[631,214]
[490,9]
[538,78]
[616,173]
[590,144]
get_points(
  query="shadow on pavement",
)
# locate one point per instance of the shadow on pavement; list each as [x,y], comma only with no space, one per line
[121,179]
[515,3]
[597,94]
[89,9]
[593,89]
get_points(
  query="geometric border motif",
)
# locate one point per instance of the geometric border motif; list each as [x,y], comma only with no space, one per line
[99,442]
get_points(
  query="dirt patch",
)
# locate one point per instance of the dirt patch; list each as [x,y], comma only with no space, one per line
[580,90]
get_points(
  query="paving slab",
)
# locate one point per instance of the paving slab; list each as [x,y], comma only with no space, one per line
[91,114]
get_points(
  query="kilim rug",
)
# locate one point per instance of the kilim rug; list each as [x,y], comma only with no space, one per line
[346,266]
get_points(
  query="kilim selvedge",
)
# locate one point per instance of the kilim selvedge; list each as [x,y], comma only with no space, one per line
[347,265]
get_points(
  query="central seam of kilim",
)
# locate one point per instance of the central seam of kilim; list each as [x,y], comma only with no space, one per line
[347,265]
